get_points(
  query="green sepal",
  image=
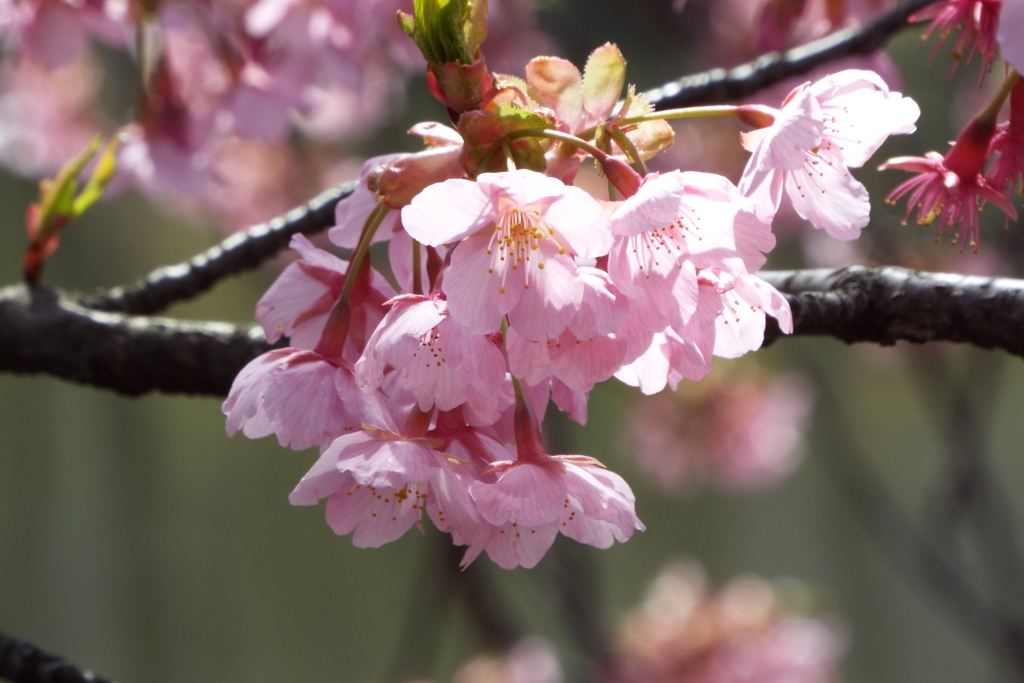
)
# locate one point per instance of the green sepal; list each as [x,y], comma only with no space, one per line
[486,135]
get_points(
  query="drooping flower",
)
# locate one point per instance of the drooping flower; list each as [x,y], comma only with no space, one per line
[949,188]
[299,302]
[301,396]
[977,20]
[822,130]
[517,234]
[436,360]
[378,483]
[532,499]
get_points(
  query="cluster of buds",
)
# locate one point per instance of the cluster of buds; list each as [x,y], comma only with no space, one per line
[512,288]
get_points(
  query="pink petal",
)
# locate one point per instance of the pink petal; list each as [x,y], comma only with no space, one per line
[550,297]
[474,290]
[448,212]
[825,193]
[377,516]
[527,494]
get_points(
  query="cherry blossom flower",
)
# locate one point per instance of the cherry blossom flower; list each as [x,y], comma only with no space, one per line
[299,302]
[977,20]
[378,483]
[519,232]
[685,632]
[822,130]
[532,499]
[301,396]
[742,434]
[587,352]
[948,188]
[436,360]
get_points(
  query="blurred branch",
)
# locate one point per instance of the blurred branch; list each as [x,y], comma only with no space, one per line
[721,85]
[887,304]
[45,331]
[22,662]
[239,252]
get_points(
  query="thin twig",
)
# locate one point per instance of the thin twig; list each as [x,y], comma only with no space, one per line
[22,662]
[723,85]
[239,252]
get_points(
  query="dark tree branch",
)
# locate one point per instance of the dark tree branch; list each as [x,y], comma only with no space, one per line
[723,85]
[43,331]
[884,305]
[240,252]
[22,662]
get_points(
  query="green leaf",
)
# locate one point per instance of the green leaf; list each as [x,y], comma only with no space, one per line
[57,196]
[105,169]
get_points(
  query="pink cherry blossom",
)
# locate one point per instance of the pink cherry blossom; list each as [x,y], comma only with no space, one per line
[587,352]
[677,223]
[683,631]
[377,484]
[1008,146]
[530,502]
[299,302]
[822,130]
[948,188]
[298,395]
[519,232]
[436,360]
[740,433]
[977,21]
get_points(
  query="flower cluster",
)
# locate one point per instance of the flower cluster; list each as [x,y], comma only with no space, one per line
[685,633]
[510,288]
[985,163]
[228,87]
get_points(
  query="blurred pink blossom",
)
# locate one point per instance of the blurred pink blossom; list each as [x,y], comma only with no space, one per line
[45,115]
[741,433]
[744,633]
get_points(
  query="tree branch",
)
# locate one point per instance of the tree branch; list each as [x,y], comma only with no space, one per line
[723,85]
[239,252]
[884,305]
[22,662]
[43,331]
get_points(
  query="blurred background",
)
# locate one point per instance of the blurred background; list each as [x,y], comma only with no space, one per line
[795,486]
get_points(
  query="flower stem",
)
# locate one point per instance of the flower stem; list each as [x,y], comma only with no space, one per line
[417,284]
[373,222]
[991,113]
[557,135]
